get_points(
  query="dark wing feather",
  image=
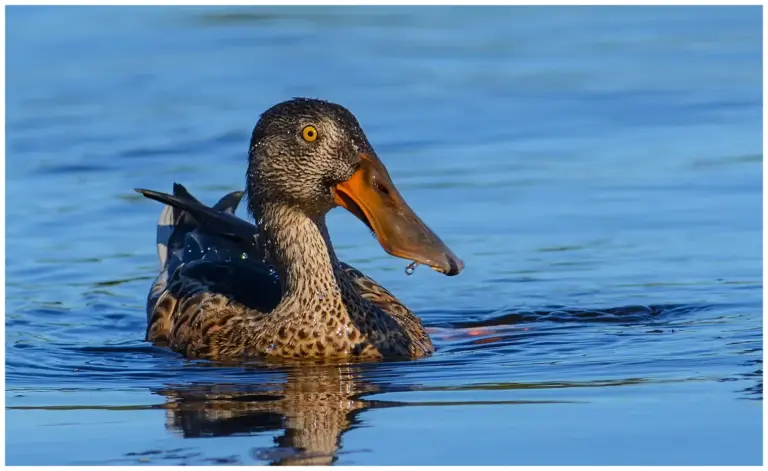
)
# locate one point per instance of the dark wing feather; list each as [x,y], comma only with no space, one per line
[210,219]
[253,285]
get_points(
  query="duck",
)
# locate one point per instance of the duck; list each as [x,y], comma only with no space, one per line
[232,290]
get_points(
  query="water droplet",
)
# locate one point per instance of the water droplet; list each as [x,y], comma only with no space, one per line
[244,256]
[411,268]
[271,347]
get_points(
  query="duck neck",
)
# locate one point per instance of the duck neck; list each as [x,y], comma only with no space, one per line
[299,247]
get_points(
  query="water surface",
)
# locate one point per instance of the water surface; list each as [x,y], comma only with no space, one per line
[598,170]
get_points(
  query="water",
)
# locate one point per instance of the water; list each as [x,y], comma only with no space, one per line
[598,170]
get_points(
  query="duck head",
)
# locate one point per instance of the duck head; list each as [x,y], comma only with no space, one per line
[313,155]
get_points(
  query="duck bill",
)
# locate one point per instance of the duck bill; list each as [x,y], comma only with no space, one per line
[371,196]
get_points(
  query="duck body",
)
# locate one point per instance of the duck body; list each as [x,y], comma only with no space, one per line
[232,290]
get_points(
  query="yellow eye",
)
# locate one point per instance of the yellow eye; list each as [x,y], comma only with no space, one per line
[309,133]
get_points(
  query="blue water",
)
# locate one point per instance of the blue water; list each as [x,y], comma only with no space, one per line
[598,170]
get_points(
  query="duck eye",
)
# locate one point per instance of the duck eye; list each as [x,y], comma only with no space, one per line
[309,133]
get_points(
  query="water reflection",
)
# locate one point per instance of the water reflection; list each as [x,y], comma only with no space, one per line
[314,407]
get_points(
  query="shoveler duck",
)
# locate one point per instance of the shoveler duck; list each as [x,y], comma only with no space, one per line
[231,290]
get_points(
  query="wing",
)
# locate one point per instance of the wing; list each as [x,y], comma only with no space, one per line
[212,270]
[375,293]
[203,296]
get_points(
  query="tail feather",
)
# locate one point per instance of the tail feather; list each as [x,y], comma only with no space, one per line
[165,225]
[229,203]
[184,213]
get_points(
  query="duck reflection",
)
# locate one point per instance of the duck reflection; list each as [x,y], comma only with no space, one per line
[314,407]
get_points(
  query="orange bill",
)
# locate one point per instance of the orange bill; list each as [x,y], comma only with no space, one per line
[371,196]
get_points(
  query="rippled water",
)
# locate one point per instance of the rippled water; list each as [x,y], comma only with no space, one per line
[598,170]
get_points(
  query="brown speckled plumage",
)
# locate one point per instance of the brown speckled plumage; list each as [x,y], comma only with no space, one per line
[277,289]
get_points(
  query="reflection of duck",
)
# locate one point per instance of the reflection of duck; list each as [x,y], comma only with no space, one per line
[217,297]
[318,403]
